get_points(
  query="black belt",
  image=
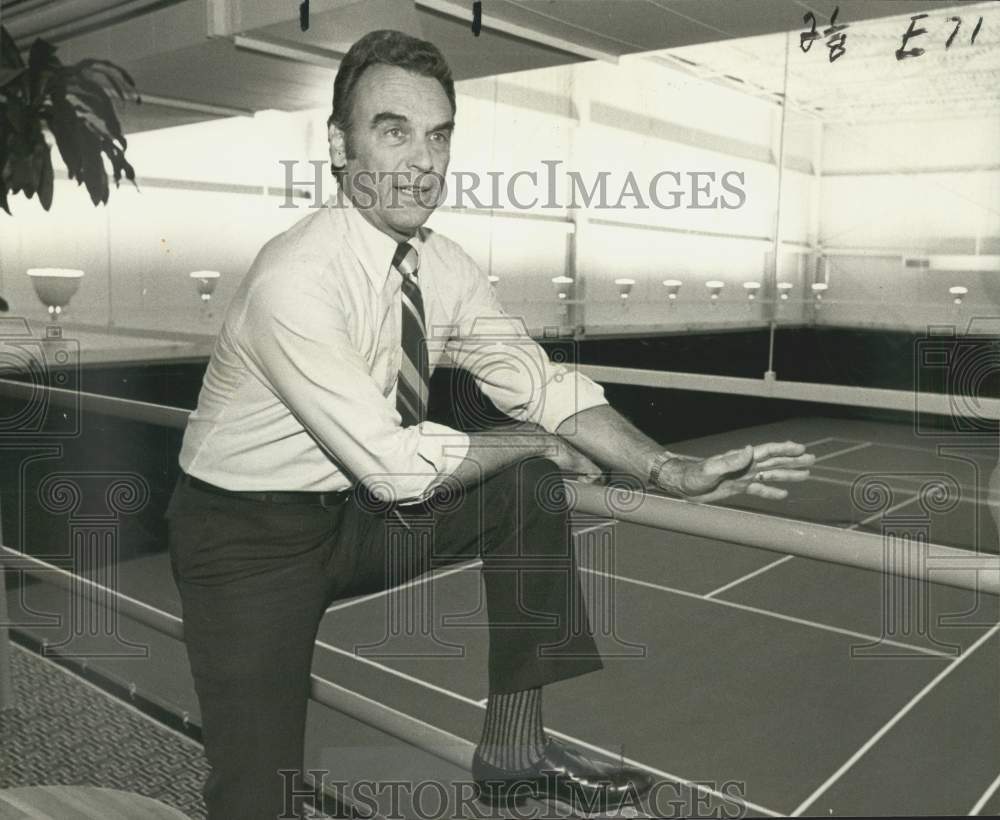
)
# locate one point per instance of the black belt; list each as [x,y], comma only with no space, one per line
[326,499]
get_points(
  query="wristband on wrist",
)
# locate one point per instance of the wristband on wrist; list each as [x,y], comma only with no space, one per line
[657,468]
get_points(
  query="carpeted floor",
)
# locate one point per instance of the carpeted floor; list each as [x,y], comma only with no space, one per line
[62,730]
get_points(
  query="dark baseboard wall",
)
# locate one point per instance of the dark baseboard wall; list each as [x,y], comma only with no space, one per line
[855,357]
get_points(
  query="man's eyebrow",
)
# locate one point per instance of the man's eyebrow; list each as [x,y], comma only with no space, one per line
[383,116]
[391,116]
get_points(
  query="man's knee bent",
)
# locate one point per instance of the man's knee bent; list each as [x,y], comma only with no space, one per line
[530,503]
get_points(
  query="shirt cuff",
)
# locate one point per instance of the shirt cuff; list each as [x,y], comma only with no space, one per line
[566,395]
[442,447]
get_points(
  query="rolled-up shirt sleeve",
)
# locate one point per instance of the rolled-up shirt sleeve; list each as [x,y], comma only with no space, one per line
[297,341]
[510,367]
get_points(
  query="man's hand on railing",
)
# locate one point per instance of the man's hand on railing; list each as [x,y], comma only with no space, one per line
[750,470]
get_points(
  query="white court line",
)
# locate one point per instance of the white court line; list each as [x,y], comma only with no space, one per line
[990,791]
[841,482]
[962,499]
[951,667]
[850,449]
[396,673]
[975,494]
[673,590]
[721,602]
[804,444]
[768,613]
[748,576]
[700,596]
[886,511]
[610,523]
[911,447]
[570,738]
[422,579]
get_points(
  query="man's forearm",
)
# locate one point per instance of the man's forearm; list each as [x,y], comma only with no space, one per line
[609,439]
[491,452]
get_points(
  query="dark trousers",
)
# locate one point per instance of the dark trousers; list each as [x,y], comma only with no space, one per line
[255,579]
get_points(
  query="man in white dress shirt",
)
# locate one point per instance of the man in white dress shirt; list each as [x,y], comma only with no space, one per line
[310,441]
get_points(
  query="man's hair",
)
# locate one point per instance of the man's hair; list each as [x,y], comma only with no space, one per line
[386,47]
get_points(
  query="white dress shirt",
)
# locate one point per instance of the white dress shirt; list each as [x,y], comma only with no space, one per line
[300,391]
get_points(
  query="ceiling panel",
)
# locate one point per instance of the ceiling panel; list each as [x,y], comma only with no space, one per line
[171,55]
[644,25]
[867,83]
[214,72]
[725,19]
[148,117]
[490,53]
[619,27]
[339,28]
[639,25]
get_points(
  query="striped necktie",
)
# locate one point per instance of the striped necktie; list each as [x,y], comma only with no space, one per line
[413,385]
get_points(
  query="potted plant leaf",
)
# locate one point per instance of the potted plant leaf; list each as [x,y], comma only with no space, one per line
[73,105]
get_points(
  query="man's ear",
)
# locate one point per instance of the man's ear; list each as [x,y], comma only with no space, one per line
[338,146]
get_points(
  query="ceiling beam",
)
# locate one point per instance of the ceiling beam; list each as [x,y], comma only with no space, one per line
[228,17]
[299,52]
[197,107]
[462,11]
[60,21]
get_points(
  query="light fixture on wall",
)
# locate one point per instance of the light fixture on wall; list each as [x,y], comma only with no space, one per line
[673,286]
[818,289]
[562,282]
[958,293]
[715,287]
[624,288]
[752,289]
[784,290]
[205,281]
[54,287]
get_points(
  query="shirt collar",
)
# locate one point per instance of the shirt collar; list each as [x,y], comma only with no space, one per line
[373,248]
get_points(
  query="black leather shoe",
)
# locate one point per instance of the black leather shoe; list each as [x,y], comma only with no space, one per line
[563,776]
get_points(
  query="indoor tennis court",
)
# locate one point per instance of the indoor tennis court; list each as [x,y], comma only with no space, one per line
[831,653]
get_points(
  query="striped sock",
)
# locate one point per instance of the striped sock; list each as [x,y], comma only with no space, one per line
[513,735]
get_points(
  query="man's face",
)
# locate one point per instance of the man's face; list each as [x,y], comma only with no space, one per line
[398,148]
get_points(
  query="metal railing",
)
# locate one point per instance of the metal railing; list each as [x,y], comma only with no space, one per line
[945,565]
[379,716]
